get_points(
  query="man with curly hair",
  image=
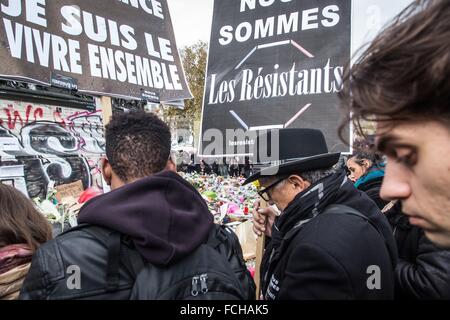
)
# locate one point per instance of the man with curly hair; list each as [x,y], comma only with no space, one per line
[152,218]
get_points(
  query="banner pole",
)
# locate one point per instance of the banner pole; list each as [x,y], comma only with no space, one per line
[106,109]
[260,244]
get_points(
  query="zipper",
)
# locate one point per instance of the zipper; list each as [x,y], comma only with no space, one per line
[195,288]
[195,291]
[203,284]
[199,284]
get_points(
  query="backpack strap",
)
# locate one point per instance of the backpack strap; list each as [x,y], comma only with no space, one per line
[340,208]
[135,259]
[216,236]
[96,232]
[112,272]
[116,251]
[112,240]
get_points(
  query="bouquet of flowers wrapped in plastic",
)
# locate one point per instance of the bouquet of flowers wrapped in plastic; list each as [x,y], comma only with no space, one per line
[226,198]
[62,215]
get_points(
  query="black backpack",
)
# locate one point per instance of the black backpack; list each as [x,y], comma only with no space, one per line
[214,271]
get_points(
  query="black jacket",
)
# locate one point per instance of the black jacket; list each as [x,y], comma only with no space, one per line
[332,255]
[163,219]
[372,188]
[423,270]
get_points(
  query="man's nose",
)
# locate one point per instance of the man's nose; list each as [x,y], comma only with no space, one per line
[396,182]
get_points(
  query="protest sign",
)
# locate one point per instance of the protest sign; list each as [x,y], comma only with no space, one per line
[273,64]
[102,47]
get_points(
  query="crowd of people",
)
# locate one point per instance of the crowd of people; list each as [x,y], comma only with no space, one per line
[226,167]
[378,228]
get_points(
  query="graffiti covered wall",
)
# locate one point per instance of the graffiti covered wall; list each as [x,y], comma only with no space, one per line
[43,146]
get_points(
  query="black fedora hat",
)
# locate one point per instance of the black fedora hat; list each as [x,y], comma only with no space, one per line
[299,150]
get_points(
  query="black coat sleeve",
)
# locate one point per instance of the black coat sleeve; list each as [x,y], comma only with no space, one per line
[313,273]
[429,276]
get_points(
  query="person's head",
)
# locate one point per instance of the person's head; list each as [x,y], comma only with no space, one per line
[361,162]
[402,83]
[137,146]
[299,158]
[280,190]
[20,222]
[357,166]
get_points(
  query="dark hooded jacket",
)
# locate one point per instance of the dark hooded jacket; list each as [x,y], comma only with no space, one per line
[162,217]
[333,255]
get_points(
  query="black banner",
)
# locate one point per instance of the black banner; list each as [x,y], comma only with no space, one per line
[109,47]
[274,64]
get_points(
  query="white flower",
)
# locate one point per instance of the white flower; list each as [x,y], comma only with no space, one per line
[49,210]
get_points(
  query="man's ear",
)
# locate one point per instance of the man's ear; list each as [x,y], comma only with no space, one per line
[298,181]
[171,166]
[106,171]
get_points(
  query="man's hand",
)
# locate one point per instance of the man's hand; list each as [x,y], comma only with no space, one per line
[263,219]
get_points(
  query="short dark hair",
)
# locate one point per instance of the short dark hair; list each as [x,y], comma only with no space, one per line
[404,73]
[137,144]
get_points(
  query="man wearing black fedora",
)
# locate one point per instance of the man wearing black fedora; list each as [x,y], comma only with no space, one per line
[330,240]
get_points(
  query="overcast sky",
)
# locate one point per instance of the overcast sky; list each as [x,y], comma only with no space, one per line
[192,19]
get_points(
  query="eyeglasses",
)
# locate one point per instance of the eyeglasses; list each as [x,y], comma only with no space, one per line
[264,193]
